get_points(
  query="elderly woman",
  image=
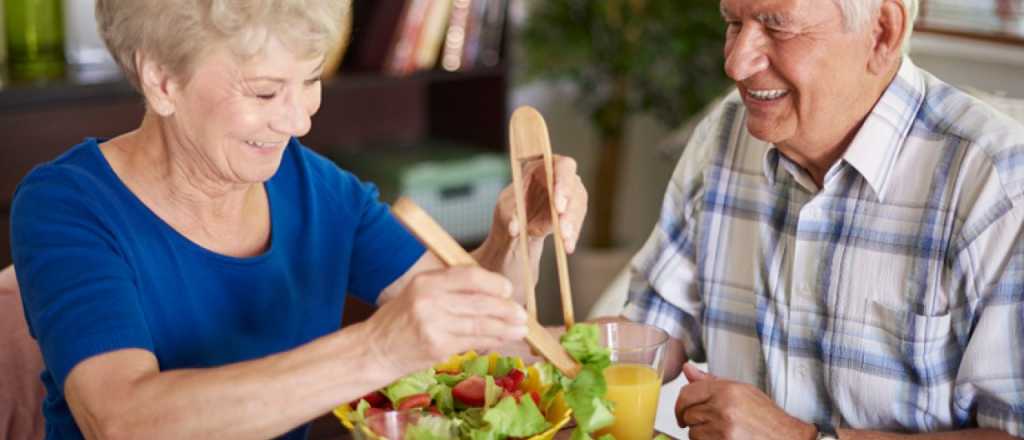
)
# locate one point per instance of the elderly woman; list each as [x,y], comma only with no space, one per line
[185,280]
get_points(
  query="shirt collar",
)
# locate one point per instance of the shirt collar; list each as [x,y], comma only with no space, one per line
[877,145]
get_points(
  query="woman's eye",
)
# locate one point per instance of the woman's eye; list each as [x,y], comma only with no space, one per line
[266,96]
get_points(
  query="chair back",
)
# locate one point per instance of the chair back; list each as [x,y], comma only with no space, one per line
[21,391]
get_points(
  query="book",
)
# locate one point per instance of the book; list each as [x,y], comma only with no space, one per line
[474,26]
[401,58]
[375,26]
[455,36]
[432,35]
[492,33]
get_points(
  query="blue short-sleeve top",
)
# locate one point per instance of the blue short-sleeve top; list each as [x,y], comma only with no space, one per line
[100,272]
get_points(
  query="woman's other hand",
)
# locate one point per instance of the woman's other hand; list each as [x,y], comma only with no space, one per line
[570,203]
[444,312]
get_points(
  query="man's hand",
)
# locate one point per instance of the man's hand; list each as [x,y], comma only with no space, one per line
[720,409]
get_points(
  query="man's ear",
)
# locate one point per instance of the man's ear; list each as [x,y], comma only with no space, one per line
[889,28]
[157,84]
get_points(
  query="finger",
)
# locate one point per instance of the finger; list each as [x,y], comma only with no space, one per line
[513,228]
[481,345]
[574,216]
[469,305]
[568,235]
[564,180]
[694,394]
[695,415]
[694,374]
[483,327]
[468,280]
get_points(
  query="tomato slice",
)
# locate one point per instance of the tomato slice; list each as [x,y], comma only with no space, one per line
[421,400]
[471,391]
[505,383]
[376,399]
[516,377]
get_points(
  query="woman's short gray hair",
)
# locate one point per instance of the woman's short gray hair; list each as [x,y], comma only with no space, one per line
[856,13]
[176,33]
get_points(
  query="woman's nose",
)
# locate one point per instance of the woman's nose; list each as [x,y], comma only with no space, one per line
[294,119]
[745,55]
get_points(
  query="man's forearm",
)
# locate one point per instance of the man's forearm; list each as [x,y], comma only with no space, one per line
[973,434]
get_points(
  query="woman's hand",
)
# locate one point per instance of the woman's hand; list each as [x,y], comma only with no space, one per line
[440,313]
[570,202]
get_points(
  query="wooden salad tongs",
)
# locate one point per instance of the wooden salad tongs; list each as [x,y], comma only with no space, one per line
[529,141]
[448,250]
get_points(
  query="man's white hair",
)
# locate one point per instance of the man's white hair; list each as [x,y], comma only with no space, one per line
[857,13]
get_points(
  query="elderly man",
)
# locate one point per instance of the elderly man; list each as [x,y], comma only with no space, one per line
[841,240]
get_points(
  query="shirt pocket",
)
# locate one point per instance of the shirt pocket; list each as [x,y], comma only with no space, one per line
[895,370]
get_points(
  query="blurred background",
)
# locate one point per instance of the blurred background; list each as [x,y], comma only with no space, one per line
[418,102]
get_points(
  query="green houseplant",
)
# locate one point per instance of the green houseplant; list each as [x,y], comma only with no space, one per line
[626,57]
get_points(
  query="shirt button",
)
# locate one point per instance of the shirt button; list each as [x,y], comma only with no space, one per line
[801,371]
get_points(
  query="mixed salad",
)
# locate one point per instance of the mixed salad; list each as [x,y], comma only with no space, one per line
[496,397]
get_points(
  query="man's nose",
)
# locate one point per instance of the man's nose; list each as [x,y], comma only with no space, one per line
[745,56]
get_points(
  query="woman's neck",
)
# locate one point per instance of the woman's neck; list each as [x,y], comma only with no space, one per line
[168,178]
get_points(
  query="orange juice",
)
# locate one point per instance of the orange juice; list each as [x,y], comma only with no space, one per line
[634,389]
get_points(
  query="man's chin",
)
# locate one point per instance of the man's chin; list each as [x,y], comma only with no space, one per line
[766,131]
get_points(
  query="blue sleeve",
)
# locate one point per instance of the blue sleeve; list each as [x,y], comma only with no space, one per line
[382,250]
[79,293]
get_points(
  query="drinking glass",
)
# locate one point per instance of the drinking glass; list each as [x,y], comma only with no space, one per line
[392,425]
[634,377]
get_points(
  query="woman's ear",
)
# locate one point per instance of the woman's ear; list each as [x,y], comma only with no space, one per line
[156,83]
[889,28]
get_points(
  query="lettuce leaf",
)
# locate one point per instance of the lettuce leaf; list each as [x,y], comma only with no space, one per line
[451,379]
[503,365]
[477,366]
[432,428]
[492,392]
[512,419]
[577,434]
[441,395]
[359,414]
[583,342]
[415,383]
[585,393]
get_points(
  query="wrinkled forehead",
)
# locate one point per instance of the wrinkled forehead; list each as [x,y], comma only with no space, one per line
[777,12]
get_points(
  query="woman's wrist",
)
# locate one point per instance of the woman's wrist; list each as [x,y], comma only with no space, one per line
[357,353]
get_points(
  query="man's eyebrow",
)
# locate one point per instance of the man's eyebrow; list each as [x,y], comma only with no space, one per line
[774,19]
[725,12]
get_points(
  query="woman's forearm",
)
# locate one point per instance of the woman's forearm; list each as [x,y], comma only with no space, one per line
[255,399]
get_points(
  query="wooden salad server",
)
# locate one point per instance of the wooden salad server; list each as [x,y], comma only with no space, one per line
[434,237]
[529,141]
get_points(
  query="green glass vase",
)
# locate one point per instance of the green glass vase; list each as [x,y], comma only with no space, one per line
[35,39]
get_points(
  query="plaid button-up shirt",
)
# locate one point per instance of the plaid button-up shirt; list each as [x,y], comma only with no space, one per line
[891,298]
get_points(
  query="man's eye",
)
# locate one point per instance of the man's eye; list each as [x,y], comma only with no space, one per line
[781,34]
[266,96]
[733,27]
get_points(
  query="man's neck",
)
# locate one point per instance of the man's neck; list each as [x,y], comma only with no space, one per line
[817,156]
